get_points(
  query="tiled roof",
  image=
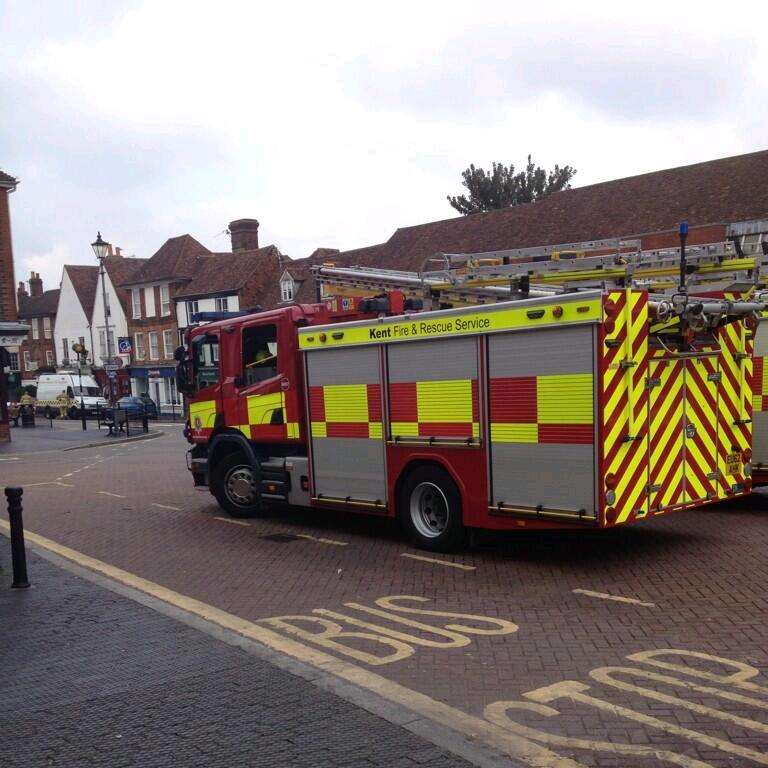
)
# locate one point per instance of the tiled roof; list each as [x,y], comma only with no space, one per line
[84,280]
[719,191]
[7,181]
[36,306]
[120,270]
[177,258]
[229,272]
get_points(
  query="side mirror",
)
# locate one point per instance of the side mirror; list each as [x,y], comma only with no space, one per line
[179,354]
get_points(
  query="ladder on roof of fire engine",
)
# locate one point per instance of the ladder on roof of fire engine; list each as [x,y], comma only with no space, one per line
[479,278]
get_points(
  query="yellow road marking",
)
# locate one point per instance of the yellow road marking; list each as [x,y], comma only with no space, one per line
[460,566]
[616,598]
[109,493]
[166,506]
[320,540]
[230,520]
[474,728]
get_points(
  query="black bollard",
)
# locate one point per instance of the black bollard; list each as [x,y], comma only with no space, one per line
[18,554]
[145,422]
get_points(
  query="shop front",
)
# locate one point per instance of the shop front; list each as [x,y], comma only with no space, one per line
[159,383]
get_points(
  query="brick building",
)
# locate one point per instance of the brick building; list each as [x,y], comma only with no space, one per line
[12,332]
[38,309]
[149,295]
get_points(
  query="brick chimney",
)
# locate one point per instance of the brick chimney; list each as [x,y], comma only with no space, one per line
[21,291]
[35,284]
[7,279]
[244,234]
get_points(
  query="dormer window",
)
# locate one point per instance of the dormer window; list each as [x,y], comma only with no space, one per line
[286,288]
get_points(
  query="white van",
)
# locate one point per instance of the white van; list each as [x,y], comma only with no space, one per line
[51,385]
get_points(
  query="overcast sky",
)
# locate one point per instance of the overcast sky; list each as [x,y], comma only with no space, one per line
[335,123]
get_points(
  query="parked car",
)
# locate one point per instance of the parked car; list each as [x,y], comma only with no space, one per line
[138,406]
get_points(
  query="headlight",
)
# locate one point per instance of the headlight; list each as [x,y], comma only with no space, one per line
[610,497]
[747,470]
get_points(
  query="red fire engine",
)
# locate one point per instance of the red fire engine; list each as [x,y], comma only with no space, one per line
[559,397]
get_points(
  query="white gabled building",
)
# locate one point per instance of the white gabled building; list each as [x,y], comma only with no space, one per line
[75,311]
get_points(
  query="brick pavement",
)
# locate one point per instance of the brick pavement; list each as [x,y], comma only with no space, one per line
[92,678]
[704,571]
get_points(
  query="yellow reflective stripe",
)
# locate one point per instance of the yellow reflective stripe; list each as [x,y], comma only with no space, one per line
[444,401]
[346,402]
[470,322]
[292,429]
[205,411]
[475,429]
[318,429]
[514,433]
[405,428]
[245,429]
[565,399]
[261,407]
[374,430]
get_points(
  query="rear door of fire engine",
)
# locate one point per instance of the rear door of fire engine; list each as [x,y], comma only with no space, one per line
[260,387]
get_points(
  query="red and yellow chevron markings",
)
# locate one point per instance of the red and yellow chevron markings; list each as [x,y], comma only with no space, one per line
[624,399]
[735,402]
[346,410]
[447,408]
[666,481]
[701,436]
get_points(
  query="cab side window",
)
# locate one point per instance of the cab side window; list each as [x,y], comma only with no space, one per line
[259,353]
[206,361]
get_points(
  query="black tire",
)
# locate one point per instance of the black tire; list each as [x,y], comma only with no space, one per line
[228,481]
[429,509]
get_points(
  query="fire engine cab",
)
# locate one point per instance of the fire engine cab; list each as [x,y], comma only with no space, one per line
[516,401]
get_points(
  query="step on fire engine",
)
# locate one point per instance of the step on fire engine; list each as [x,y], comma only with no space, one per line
[496,391]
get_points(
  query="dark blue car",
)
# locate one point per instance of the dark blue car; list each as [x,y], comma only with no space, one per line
[138,406]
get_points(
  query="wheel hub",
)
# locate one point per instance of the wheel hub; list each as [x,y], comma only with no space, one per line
[240,486]
[429,510]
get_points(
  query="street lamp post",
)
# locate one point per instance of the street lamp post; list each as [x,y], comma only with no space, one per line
[101,249]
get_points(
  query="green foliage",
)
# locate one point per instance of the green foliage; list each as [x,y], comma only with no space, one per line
[502,187]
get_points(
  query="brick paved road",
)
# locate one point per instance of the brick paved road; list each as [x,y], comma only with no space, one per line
[89,678]
[700,577]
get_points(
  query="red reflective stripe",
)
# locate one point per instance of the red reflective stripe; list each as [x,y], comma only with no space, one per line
[374,402]
[573,434]
[316,404]
[513,400]
[403,403]
[346,429]
[445,429]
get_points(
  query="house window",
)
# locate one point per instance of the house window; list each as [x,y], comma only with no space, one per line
[27,361]
[168,344]
[140,352]
[286,289]
[154,345]
[47,327]
[104,351]
[49,357]
[180,334]
[165,301]
[65,348]
[149,300]
[14,361]
[35,328]
[191,310]
[136,302]
[222,304]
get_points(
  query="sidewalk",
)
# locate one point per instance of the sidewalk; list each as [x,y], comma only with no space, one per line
[63,435]
[88,677]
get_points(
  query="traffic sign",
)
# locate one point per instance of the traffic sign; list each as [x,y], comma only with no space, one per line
[118,361]
[124,345]
[111,368]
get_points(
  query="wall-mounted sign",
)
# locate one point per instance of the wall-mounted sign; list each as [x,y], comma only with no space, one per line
[124,345]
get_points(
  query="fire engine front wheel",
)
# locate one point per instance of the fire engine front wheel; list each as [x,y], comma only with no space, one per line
[430,510]
[235,487]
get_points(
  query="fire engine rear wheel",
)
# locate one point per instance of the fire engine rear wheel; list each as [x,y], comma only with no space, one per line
[430,510]
[235,486]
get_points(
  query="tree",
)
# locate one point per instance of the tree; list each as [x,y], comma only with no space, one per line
[502,187]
